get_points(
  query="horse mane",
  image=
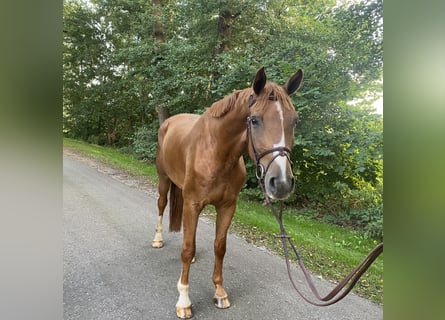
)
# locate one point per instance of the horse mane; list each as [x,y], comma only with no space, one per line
[221,107]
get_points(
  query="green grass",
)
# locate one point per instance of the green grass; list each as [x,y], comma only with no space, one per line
[327,250]
[114,158]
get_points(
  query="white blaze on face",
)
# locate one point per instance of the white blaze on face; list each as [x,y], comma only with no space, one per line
[280,161]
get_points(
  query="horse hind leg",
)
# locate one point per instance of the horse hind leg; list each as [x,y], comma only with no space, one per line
[163,187]
[158,241]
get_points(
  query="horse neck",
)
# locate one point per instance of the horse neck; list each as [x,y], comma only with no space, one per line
[230,132]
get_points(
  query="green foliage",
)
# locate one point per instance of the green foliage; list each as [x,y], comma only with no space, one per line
[361,208]
[117,74]
[144,144]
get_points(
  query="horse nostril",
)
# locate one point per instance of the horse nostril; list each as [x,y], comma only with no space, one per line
[292,183]
[272,183]
[278,188]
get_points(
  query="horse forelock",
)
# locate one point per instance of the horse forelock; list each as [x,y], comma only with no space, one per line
[273,90]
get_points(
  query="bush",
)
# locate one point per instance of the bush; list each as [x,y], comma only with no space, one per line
[361,208]
[373,224]
[96,139]
[144,144]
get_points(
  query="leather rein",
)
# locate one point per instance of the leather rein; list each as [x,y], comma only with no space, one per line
[351,279]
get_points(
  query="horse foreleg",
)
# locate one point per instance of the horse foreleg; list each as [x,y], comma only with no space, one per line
[189,224]
[164,185]
[223,220]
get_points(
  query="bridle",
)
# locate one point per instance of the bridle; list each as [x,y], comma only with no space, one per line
[351,279]
[260,171]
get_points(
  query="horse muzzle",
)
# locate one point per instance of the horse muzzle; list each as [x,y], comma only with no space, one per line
[277,185]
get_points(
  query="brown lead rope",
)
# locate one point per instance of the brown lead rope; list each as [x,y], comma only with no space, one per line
[351,278]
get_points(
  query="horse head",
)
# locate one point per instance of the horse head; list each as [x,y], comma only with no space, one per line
[270,127]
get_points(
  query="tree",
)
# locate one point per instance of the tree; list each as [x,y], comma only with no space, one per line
[124,60]
[83,54]
[159,36]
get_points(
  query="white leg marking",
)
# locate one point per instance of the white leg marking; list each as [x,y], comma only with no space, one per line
[158,235]
[280,161]
[184,300]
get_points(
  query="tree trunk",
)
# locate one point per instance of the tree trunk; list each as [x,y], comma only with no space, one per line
[225,22]
[111,134]
[162,113]
[159,35]
[158,30]
[224,25]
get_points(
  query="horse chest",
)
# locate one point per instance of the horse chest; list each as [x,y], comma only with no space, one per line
[212,184]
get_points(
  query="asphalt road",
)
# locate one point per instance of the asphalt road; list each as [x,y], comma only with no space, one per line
[111,271]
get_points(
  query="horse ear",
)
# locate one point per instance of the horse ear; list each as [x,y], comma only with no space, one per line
[294,82]
[260,81]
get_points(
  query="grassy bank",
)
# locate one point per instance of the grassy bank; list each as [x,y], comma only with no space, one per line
[114,158]
[328,251]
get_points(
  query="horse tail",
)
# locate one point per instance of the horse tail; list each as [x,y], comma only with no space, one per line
[176,202]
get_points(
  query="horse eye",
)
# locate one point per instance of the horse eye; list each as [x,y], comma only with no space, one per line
[254,120]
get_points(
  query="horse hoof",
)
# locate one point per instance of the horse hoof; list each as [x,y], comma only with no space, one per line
[184,313]
[157,244]
[221,303]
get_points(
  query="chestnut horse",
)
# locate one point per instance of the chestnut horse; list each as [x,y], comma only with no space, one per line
[199,159]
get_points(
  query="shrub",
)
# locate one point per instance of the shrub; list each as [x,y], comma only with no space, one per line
[144,144]
[362,208]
